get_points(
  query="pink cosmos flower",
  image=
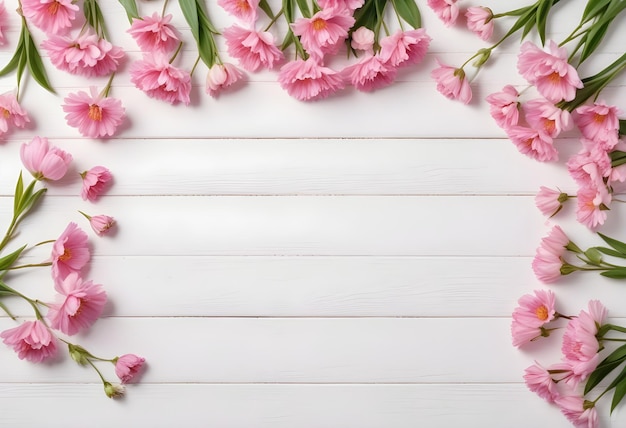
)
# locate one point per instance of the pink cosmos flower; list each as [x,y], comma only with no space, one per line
[128,366]
[480,21]
[575,410]
[11,113]
[308,80]
[446,10]
[221,76]
[404,47]
[155,33]
[592,205]
[254,49]
[550,201]
[93,114]
[324,32]
[349,5]
[3,23]
[245,10]
[95,182]
[533,143]
[504,107]
[599,122]
[452,83]
[51,16]
[544,116]
[31,340]
[550,72]
[362,39]
[80,304]
[548,259]
[159,79]
[44,162]
[70,252]
[535,310]
[539,380]
[101,224]
[370,73]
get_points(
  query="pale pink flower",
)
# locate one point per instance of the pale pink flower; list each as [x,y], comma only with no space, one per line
[480,21]
[114,390]
[575,410]
[589,166]
[254,49]
[155,33]
[95,182]
[370,73]
[80,304]
[404,47]
[523,333]
[51,16]
[3,23]
[446,10]
[11,113]
[349,5]
[308,80]
[539,380]
[550,201]
[93,114]
[159,79]
[31,340]
[101,224]
[221,76]
[128,366]
[544,116]
[550,72]
[43,161]
[548,259]
[245,10]
[70,252]
[362,39]
[324,32]
[599,122]
[533,143]
[504,107]
[592,205]
[535,310]
[452,83]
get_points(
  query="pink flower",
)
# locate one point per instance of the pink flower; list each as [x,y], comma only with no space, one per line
[128,366]
[80,304]
[480,21]
[539,380]
[504,107]
[101,224]
[44,162]
[159,79]
[51,16]
[349,5]
[523,333]
[452,83]
[548,260]
[590,166]
[535,310]
[95,182]
[323,32]
[446,10]
[11,113]
[3,23]
[370,73]
[593,204]
[577,412]
[404,47]
[221,76]
[31,340]
[599,122]
[544,116]
[254,49]
[70,252]
[362,39]
[533,143]
[550,201]
[308,80]
[550,72]
[93,114]
[245,10]
[154,33]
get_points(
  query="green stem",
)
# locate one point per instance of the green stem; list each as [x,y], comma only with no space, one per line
[195,64]
[107,88]
[395,9]
[180,45]
[32,302]
[44,264]
[273,21]
[164,7]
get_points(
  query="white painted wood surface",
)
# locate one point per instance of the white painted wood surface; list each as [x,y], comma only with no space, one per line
[345,263]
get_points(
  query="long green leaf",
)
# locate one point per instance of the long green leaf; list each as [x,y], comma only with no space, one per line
[610,252]
[615,273]
[35,65]
[541,18]
[131,9]
[593,8]
[408,10]
[601,372]
[614,243]
[19,190]
[17,56]
[303,5]
[8,260]
[190,12]
[265,7]
[620,391]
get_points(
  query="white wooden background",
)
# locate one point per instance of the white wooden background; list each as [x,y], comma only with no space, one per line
[346,263]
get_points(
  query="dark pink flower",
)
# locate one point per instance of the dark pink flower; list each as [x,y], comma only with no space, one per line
[254,49]
[93,114]
[80,304]
[370,73]
[128,366]
[504,107]
[155,33]
[480,21]
[95,182]
[11,113]
[324,32]
[404,47]
[159,79]
[308,80]
[452,83]
[43,161]
[31,340]
[52,16]
[70,252]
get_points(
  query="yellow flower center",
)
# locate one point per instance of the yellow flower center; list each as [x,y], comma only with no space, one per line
[549,126]
[53,8]
[5,113]
[555,78]
[319,24]
[243,6]
[95,113]
[542,313]
[67,254]
[599,118]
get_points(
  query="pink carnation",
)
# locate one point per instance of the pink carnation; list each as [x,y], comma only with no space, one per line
[154,33]
[93,114]
[504,107]
[31,340]
[254,49]
[548,259]
[308,80]
[452,83]
[480,21]
[51,16]
[544,116]
[533,143]
[70,252]
[599,122]
[349,5]
[245,10]
[404,47]
[43,161]
[221,76]
[11,113]
[446,10]
[128,366]
[324,32]
[95,182]
[370,73]
[159,79]
[80,304]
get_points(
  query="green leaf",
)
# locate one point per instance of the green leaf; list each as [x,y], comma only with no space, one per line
[408,10]
[541,18]
[620,391]
[32,200]
[265,7]
[622,127]
[593,8]
[201,28]
[131,9]
[8,260]
[17,56]
[614,243]
[603,369]
[528,27]
[35,65]
[303,5]
[610,252]
[289,10]
[19,190]
[190,12]
[615,273]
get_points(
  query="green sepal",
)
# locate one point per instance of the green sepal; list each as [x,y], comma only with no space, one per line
[614,243]
[7,261]
[130,6]
[408,10]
